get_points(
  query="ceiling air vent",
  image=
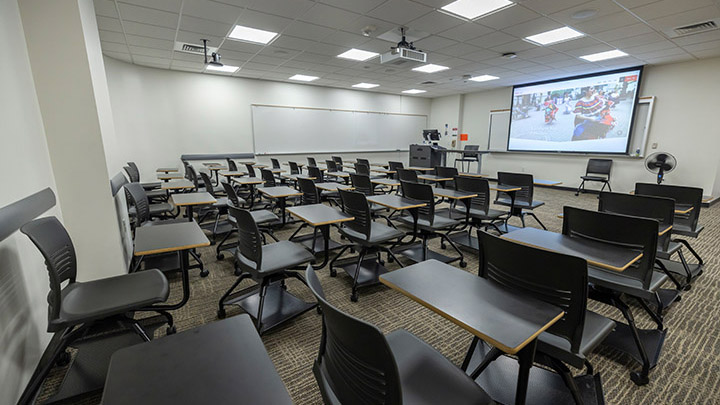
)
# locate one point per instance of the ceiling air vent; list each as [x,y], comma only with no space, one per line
[694,28]
[193,48]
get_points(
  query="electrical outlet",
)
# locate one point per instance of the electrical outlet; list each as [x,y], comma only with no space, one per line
[654,145]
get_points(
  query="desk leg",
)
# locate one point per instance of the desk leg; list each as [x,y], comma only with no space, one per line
[325,231]
[189,212]
[252,196]
[184,273]
[526,357]
[281,203]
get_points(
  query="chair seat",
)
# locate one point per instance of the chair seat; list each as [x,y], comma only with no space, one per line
[164,222]
[475,213]
[520,204]
[427,377]
[151,186]
[594,178]
[261,217]
[595,330]
[439,222]
[221,202]
[92,300]
[277,257]
[379,233]
[374,208]
[156,193]
[673,247]
[685,230]
[619,282]
[158,209]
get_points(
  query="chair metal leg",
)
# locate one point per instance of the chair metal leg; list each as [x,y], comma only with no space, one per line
[692,251]
[532,214]
[642,377]
[333,272]
[221,303]
[567,377]
[263,293]
[581,187]
[354,296]
[454,246]
[492,355]
[609,188]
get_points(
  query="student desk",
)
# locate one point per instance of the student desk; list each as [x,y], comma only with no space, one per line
[280,193]
[386,182]
[333,186]
[216,363]
[452,194]
[215,169]
[342,175]
[189,200]
[259,166]
[421,169]
[232,174]
[546,183]
[169,176]
[276,171]
[166,169]
[251,182]
[295,177]
[509,321]
[431,178]
[177,185]
[319,216]
[178,237]
[384,171]
[468,174]
[212,164]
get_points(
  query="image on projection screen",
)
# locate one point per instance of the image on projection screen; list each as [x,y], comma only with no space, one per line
[588,114]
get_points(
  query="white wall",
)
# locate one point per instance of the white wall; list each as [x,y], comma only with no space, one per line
[25,164]
[684,123]
[161,114]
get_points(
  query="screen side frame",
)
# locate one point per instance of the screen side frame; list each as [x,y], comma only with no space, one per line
[640,68]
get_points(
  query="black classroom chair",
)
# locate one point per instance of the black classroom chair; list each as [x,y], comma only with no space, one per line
[264,264]
[136,173]
[232,166]
[407,175]
[394,167]
[311,161]
[151,189]
[357,364]
[468,158]
[143,212]
[476,210]
[597,170]
[448,173]
[338,162]
[369,236]
[524,202]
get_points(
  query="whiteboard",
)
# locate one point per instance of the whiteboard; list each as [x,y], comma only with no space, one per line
[283,129]
[499,128]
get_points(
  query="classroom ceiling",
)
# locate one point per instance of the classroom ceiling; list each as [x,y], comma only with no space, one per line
[313,33]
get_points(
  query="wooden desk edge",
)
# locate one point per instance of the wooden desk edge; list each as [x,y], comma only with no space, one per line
[171,249]
[504,348]
[335,221]
[407,207]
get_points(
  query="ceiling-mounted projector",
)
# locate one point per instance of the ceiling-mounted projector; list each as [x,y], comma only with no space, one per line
[404,54]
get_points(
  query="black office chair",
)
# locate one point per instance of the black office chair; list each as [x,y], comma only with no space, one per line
[265,219]
[362,162]
[394,167]
[448,173]
[311,161]
[476,210]
[663,210]
[361,183]
[407,175]
[153,192]
[687,199]
[268,265]
[338,162]
[232,166]
[429,225]
[369,236]
[523,198]
[250,170]
[357,364]
[361,168]
[332,167]
[638,281]
[218,209]
[315,173]
[75,308]
[142,211]
[555,278]
[135,177]
[275,163]
[468,157]
[597,170]
[194,177]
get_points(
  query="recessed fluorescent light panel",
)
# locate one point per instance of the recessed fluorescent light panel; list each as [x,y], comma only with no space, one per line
[365,85]
[430,68]
[555,36]
[304,78]
[413,91]
[472,9]
[483,78]
[252,35]
[223,68]
[358,54]
[603,55]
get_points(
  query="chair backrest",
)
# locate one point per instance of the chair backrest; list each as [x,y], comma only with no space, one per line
[54,243]
[362,183]
[138,199]
[232,194]
[250,169]
[407,175]
[294,168]
[522,180]
[599,166]
[361,168]
[275,163]
[249,244]
[193,176]
[134,176]
[658,208]
[552,277]
[448,172]
[315,172]
[683,196]
[185,165]
[311,161]
[470,148]
[331,166]
[207,183]
[338,162]
[354,360]
[636,233]
[231,165]
[310,194]
[394,166]
[475,185]
[268,177]
[363,162]
[117,182]
[421,192]
[356,205]
[135,168]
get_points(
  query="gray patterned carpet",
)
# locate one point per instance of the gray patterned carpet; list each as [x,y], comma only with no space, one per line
[688,371]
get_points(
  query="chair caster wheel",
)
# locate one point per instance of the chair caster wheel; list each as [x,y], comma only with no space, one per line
[318,310]
[352,250]
[463,264]
[390,259]
[333,273]
[238,272]
[639,379]
[442,246]
[221,314]
[687,287]
[220,256]
[354,298]
[284,286]
[170,330]
[63,359]
[204,273]
[381,262]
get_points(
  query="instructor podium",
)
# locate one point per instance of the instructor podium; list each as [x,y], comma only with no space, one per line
[423,155]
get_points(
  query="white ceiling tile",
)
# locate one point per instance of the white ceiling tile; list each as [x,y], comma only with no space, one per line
[434,23]
[589,50]
[493,39]
[603,8]
[288,42]
[205,27]
[195,38]
[357,6]
[536,51]
[210,10]
[649,47]
[481,55]
[234,55]
[551,6]
[608,22]
[458,50]
[114,47]
[361,22]
[109,24]
[376,45]
[532,27]
[665,8]
[278,52]
[329,16]
[119,56]
[263,21]
[685,18]
[149,42]
[703,46]
[707,53]
[584,42]
[105,8]
[326,49]
[434,42]
[637,40]
[268,60]
[660,53]
[400,11]
[516,46]
[508,17]
[172,6]
[194,66]
[308,31]
[147,30]
[152,52]
[345,39]
[624,32]
[151,60]
[110,36]
[284,8]
[466,31]
[635,3]
[698,38]
[129,12]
